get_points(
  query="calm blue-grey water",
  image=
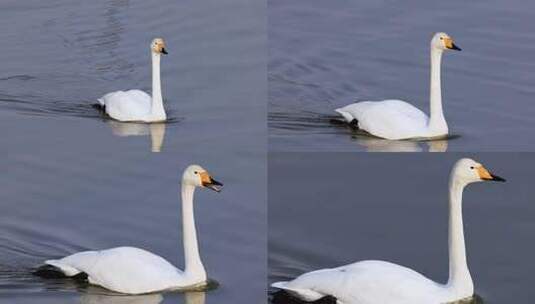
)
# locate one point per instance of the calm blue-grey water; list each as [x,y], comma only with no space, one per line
[332,209]
[72,180]
[326,54]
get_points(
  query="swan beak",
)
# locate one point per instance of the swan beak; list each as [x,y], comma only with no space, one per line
[484,174]
[210,183]
[164,51]
[214,185]
[453,47]
[450,45]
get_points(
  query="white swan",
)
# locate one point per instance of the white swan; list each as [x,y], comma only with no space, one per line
[136,105]
[135,271]
[396,119]
[379,282]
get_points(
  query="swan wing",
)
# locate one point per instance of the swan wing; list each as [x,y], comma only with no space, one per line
[132,105]
[124,269]
[390,119]
[365,282]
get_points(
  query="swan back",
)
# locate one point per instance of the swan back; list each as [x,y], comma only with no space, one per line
[367,282]
[124,269]
[390,119]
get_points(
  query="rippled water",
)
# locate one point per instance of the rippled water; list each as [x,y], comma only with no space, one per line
[326,54]
[332,209]
[73,180]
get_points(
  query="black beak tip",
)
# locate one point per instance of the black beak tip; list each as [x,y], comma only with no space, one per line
[214,182]
[164,51]
[455,47]
[214,185]
[498,179]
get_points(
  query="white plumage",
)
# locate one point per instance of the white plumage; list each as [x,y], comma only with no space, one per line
[136,105]
[379,282]
[123,269]
[397,119]
[132,105]
[136,271]
[366,282]
[390,119]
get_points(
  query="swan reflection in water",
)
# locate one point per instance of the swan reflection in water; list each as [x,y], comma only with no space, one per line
[155,130]
[377,144]
[373,144]
[194,297]
[120,299]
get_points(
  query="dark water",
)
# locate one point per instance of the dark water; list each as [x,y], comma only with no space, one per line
[326,54]
[331,209]
[74,181]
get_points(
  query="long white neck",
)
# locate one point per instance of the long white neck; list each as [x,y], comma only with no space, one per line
[460,281]
[194,267]
[157,110]
[437,122]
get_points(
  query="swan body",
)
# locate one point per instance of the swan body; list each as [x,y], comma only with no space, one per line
[132,270]
[373,277]
[131,105]
[390,119]
[397,119]
[136,105]
[127,270]
[380,282]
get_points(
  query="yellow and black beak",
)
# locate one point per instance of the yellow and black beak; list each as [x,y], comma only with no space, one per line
[448,42]
[210,183]
[484,174]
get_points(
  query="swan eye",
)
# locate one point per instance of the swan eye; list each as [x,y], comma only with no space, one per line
[441,38]
[472,167]
[196,172]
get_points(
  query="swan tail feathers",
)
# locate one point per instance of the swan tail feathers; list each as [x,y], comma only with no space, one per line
[279,285]
[49,272]
[347,116]
[99,107]
[52,272]
[67,270]
[301,293]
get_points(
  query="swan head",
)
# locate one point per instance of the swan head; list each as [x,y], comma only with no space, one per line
[197,176]
[469,171]
[158,46]
[442,41]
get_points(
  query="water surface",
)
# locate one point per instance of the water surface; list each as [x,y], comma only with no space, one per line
[332,209]
[73,180]
[327,54]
